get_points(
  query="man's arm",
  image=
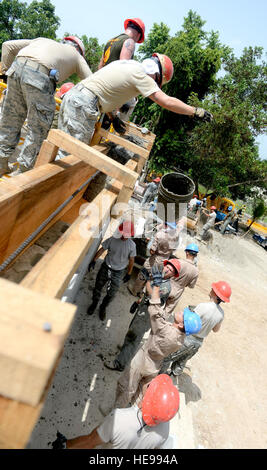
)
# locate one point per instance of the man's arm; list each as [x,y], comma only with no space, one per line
[127,50]
[217,327]
[130,265]
[85,442]
[101,63]
[172,104]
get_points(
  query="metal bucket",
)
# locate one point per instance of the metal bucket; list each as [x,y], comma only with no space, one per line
[174,189]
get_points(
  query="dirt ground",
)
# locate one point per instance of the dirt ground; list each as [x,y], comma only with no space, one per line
[225,383]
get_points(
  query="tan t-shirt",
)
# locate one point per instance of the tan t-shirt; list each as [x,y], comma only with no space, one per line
[118,82]
[52,54]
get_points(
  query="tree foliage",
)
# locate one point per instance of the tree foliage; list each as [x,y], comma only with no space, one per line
[93,52]
[221,154]
[21,21]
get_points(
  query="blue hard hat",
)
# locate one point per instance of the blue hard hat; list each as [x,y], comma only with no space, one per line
[192,247]
[192,322]
[198,203]
[171,224]
[229,208]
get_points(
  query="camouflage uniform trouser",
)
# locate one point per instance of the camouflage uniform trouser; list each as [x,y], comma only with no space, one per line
[179,359]
[108,276]
[30,94]
[78,115]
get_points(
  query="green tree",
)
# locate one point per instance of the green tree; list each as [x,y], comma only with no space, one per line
[40,21]
[11,11]
[156,38]
[258,210]
[225,152]
[93,52]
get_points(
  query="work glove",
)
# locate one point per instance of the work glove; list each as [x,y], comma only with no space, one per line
[60,442]
[156,276]
[201,113]
[127,277]
[106,122]
[91,266]
[119,125]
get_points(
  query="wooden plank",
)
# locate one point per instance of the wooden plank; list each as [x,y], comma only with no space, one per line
[28,353]
[47,154]
[96,137]
[124,193]
[28,199]
[93,157]
[124,143]
[65,256]
[71,215]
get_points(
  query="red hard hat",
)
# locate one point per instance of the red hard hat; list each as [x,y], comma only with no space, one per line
[156,180]
[138,23]
[64,89]
[77,41]
[166,67]
[213,208]
[127,229]
[223,290]
[161,401]
[175,263]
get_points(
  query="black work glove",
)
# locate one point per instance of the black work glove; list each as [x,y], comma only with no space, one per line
[119,125]
[91,266]
[125,108]
[127,277]
[60,442]
[106,123]
[156,276]
[3,77]
[201,113]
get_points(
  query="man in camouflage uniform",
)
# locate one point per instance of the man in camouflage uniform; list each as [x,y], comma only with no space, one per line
[33,68]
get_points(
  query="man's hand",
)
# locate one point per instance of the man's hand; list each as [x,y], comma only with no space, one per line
[156,276]
[119,125]
[91,266]
[201,113]
[127,277]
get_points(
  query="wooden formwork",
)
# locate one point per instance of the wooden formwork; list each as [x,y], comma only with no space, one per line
[34,323]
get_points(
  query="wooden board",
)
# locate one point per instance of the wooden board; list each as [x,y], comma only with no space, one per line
[28,199]
[123,142]
[27,352]
[65,256]
[93,157]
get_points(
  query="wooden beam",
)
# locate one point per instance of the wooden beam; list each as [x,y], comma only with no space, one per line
[93,157]
[47,154]
[28,199]
[124,143]
[28,352]
[65,256]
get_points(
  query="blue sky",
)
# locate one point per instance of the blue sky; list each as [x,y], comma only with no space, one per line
[240,23]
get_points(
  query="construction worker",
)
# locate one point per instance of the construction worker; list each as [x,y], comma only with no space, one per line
[141,321]
[210,222]
[188,276]
[163,244]
[116,267]
[122,47]
[112,86]
[211,314]
[151,191]
[227,220]
[142,426]
[33,67]
[164,339]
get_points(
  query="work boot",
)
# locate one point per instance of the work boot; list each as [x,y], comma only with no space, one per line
[60,442]
[4,168]
[92,307]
